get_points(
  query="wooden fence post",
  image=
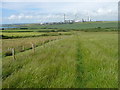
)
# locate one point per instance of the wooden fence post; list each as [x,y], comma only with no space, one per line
[23,48]
[13,53]
[33,48]
[43,43]
[9,49]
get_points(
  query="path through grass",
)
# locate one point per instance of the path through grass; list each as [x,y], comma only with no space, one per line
[88,60]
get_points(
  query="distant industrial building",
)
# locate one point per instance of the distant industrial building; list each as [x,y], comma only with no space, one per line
[68,21]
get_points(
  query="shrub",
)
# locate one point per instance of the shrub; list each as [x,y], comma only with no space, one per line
[60,33]
[99,27]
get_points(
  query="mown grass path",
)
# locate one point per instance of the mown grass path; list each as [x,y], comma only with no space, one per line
[79,67]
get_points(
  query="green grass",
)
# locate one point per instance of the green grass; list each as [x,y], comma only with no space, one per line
[83,60]
[19,43]
[99,60]
[66,27]
[22,34]
[27,30]
[77,26]
[12,35]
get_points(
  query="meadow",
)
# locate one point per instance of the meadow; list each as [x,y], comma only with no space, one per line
[11,35]
[23,44]
[75,26]
[85,58]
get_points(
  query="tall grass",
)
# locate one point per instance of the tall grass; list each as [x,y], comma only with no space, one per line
[84,60]
[12,35]
[26,42]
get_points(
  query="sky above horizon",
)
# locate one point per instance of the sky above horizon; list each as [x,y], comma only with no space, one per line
[34,11]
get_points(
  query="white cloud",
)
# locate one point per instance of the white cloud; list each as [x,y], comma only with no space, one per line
[102,11]
[35,17]
[12,17]
[28,17]
[19,17]
[44,12]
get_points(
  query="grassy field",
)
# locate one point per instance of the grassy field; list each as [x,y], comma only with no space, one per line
[22,34]
[76,26]
[25,43]
[26,30]
[82,60]
[12,35]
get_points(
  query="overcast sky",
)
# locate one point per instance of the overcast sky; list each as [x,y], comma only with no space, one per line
[37,11]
